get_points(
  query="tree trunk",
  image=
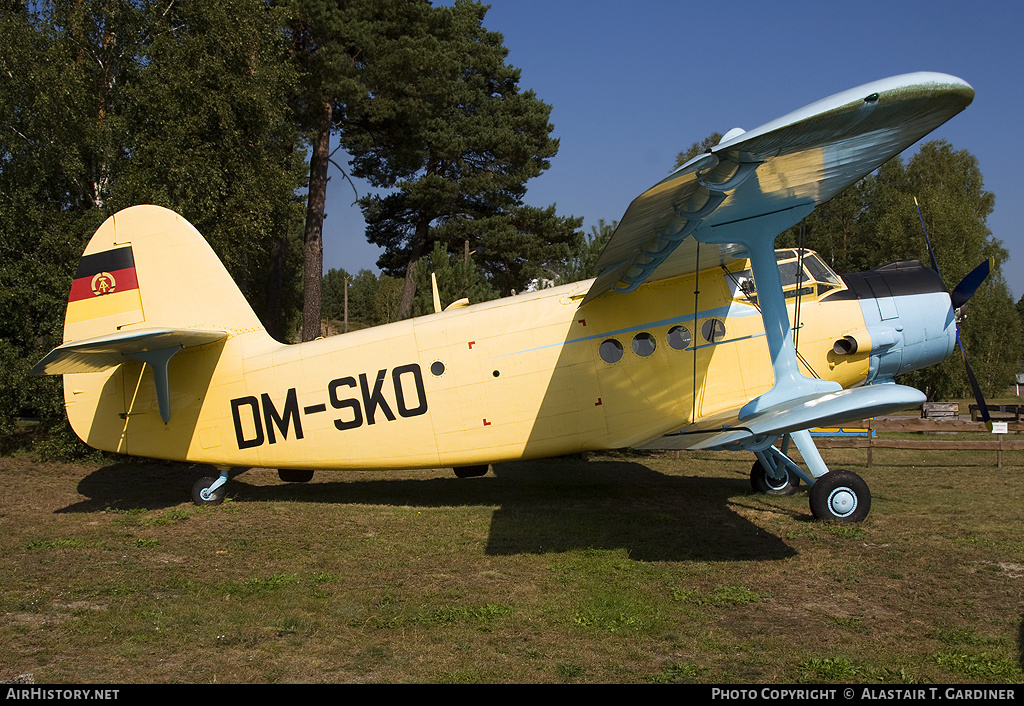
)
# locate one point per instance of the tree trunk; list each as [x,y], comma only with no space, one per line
[313,242]
[419,249]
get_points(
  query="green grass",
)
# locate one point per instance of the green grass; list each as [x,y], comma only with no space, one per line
[625,568]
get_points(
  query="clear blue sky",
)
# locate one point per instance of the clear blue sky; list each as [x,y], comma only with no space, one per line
[631,84]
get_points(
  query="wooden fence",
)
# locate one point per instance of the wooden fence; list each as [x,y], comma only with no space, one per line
[870,441]
[998,410]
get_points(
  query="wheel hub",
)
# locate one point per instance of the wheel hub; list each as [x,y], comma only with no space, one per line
[842,501]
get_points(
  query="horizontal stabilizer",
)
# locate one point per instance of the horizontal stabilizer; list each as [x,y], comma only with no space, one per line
[95,354]
[826,410]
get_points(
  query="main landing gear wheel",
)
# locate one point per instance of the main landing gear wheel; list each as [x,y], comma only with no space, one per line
[294,475]
[840,496]
[201,494]
[761,482]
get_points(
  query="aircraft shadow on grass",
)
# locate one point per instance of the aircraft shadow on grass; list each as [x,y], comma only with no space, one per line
[542,506]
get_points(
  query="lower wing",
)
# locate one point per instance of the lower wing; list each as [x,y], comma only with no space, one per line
[829,409]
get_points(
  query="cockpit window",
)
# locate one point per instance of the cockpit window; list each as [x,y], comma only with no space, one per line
[820,272]
[791,273]
[801,276]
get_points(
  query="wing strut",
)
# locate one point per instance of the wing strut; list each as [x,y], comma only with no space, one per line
[757,235]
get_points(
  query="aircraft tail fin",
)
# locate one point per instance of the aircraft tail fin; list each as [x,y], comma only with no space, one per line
[147,267]
[147,287]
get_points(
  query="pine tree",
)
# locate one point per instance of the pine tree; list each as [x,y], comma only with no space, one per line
[458,151]
[342,49]
[457,276]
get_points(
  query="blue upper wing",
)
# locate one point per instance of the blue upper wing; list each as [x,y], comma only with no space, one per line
[802,159]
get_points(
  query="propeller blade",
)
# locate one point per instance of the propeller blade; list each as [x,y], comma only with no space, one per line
[961,293]
[969,284]
[931,250]
[975,387]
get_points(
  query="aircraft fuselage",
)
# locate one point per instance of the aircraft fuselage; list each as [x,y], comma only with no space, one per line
[528,376]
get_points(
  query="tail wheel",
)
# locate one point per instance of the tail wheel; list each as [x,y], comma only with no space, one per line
[761,482]
[840,496]
[201,494]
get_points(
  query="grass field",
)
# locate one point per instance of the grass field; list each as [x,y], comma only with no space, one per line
[622,568]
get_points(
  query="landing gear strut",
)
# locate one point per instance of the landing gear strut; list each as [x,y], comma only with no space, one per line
[783,483]
[836,496]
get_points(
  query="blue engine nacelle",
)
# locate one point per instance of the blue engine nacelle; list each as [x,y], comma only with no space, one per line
[909,320]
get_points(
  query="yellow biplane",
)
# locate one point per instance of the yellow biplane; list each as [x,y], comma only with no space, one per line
[696,333]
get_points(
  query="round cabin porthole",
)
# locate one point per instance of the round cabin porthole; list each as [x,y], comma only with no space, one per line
[610,351]
[643,344]
[679,338]
[437,368]
[713,330]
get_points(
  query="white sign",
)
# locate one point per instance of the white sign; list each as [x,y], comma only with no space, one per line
[999,427]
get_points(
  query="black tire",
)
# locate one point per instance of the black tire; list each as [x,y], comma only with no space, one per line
[201,497]
[472,471]
[761,482]
[294,475]
[840,496]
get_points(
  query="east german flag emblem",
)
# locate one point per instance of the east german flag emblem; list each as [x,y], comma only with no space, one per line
[106,285]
